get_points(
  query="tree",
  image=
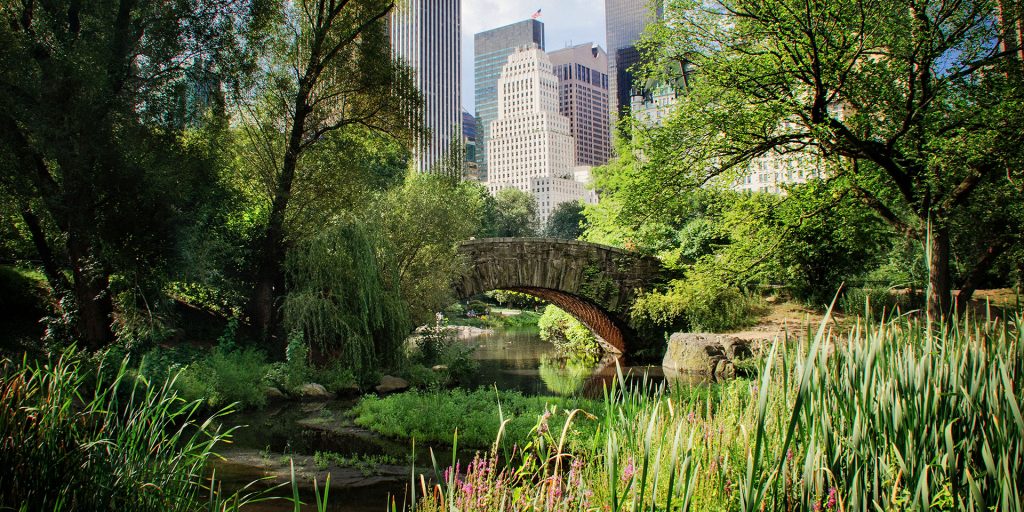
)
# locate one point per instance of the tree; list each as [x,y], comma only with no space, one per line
[95,159]
[330,68]
[566,221]
[516,213]
[420,225]
[916,108]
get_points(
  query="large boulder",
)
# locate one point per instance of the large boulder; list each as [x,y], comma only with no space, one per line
[314,391]
[703,354]
[389,384]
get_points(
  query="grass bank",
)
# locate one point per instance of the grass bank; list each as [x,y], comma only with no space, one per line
[433,416]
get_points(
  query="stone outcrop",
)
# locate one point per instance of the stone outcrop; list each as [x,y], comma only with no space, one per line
[595,283]
[314,391]
[707,355]
[389,384]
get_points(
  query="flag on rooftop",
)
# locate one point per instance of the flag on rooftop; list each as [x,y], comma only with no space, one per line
[536,15]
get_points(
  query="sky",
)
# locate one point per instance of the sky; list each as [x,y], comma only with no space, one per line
[565,22]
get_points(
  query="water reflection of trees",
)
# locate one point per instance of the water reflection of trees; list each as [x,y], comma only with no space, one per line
[566,376]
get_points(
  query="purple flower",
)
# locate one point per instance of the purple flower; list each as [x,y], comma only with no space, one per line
[629,470]
[831,503]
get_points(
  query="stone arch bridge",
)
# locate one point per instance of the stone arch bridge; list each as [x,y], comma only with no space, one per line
[595,283]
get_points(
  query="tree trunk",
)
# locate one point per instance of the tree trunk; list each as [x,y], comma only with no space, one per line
[54,275]
[939,285]
[270,278]
[981,267]
[92,296]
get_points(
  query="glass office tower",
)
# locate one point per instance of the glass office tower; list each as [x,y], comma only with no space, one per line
[426,35]
[625,20]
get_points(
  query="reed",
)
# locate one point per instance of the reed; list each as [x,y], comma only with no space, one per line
[74,439]
[898,414]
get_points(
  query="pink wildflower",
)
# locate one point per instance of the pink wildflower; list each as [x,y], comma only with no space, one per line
[629,470]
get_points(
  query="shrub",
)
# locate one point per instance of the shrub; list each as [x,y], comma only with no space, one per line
[224,376]
[702,302]
[570,337]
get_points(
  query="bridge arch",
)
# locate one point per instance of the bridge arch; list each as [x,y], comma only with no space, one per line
[597,284]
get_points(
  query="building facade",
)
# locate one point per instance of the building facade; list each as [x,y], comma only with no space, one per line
[490,53]
[425,34]
[470,169]
[625,20]
[582,73]
[531,147]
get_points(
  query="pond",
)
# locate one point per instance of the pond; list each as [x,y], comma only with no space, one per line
[367,469]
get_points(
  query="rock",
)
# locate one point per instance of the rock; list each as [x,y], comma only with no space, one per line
[314,391]
[696,353]
[439,368]
[725,370]
[389,384]
[736,348]
[273,393]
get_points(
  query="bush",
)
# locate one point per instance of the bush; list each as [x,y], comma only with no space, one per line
[699,303]
[121,443]
[438,346]
[224,376]
[570,337]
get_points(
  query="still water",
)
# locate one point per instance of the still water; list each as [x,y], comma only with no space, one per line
[268,441]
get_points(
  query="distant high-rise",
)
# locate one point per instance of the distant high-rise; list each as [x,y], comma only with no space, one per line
[490,53]
[531,146]
[471,169]
[582,73]
[425,34]
[625,20]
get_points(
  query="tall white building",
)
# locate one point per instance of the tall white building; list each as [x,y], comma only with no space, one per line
[425,34]
[531,146]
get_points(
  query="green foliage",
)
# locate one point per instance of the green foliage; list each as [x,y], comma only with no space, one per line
[570,337]
[516,214]
[438,346]
[699,303]
[926,134]
[97,155]
[341,301]
[224,376]
[116,442]
[566,221]
[418,227]
[515,299]
[433,416]
[802,436]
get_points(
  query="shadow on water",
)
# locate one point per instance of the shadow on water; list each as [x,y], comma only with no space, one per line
[270,439]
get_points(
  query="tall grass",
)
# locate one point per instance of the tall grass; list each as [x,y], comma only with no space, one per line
[71,439]
[901,414]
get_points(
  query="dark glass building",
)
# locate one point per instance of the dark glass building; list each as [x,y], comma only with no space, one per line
[491,50]
[625,20]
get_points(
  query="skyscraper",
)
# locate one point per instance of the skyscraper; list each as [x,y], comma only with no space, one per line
[625,20]
[582,73]
[491,50]
[531,147]
[425,34]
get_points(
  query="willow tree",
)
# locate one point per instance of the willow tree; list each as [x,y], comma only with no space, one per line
[329,67]
[915,107]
